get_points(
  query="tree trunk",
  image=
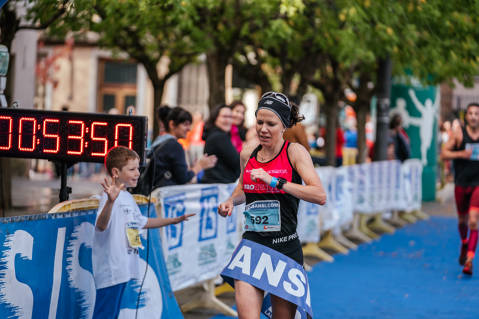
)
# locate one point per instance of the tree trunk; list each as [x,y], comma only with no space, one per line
[253,74]
[216,64]
[158,88]
[383,94]
[286,81]
[361,113]
[331,119]
[157,96]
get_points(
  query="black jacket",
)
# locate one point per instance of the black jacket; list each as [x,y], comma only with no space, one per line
[227,168]
[170,165]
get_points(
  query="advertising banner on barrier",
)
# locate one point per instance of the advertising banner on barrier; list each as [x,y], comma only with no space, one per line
[343,197]
[328,214]
[407,186]
[416,180]
[198,249]
[46,270]
[362,203]
[308,222]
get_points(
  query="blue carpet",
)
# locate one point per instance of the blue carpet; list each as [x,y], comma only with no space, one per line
[413,273]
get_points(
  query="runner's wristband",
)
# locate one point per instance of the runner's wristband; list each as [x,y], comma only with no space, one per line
[274,182]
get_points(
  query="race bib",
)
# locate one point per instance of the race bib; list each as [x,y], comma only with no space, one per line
[475,150]
[263,216]
[133,236]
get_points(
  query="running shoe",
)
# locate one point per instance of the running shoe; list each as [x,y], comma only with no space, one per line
[463,255]
[467,268]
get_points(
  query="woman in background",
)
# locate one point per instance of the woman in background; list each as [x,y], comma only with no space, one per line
[238,130]
[169,156]
[218,143]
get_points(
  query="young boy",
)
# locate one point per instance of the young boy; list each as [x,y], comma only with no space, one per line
[116,242]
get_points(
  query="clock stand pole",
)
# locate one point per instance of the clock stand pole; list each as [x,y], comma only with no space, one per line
[64,189]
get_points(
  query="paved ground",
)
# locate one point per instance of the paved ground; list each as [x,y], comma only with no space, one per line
[35,196]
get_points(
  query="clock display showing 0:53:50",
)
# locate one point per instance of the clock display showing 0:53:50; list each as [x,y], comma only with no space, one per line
[67,136]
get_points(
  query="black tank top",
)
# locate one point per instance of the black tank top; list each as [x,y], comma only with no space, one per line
[466,172]
[279,166]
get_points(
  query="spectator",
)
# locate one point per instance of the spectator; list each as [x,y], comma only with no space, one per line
[218,142]
[116,240]
[238,130]
[402,148]
[161,117]
[169,155]
[339,145]
[391,154]
[351,135]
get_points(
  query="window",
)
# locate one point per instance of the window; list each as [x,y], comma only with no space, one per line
[116,85]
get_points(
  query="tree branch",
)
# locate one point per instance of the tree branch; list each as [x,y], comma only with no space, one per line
[47,23]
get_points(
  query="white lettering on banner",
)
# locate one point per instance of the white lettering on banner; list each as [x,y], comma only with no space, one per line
[57,272]
[80,279]
[151,297]
[273,275]
[242,260]
[10,287]
[297,279]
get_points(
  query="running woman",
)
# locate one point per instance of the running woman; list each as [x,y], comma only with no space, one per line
[271,176]
[463,149]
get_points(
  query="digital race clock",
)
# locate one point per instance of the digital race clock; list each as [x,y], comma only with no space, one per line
[67,136]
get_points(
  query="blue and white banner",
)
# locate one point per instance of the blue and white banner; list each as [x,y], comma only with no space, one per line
[46,270]
[363,189]
[198,249]
[343,198]
[271,271]
[416,182]
[329,216]
[308,222]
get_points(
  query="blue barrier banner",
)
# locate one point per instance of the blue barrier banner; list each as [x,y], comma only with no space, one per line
[197,250]
[46,270]
[271,271]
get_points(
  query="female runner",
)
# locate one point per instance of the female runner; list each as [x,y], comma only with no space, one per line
[272,174]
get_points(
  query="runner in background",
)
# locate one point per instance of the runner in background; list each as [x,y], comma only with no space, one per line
[463,149]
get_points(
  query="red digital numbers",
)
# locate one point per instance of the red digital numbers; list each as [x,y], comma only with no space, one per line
[25,133]
[79,137]
[6,123]
[123,127]
[46,135]
[62,136]
[100,139]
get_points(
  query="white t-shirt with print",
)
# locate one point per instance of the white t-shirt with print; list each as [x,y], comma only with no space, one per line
[114,261]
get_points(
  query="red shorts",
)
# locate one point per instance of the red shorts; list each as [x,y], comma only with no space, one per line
[467,197]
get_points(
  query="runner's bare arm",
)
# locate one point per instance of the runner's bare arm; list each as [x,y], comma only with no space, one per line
[238,196]
[313,190]
[448,152]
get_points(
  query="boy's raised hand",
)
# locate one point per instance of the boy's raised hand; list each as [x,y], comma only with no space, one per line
[112,190]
